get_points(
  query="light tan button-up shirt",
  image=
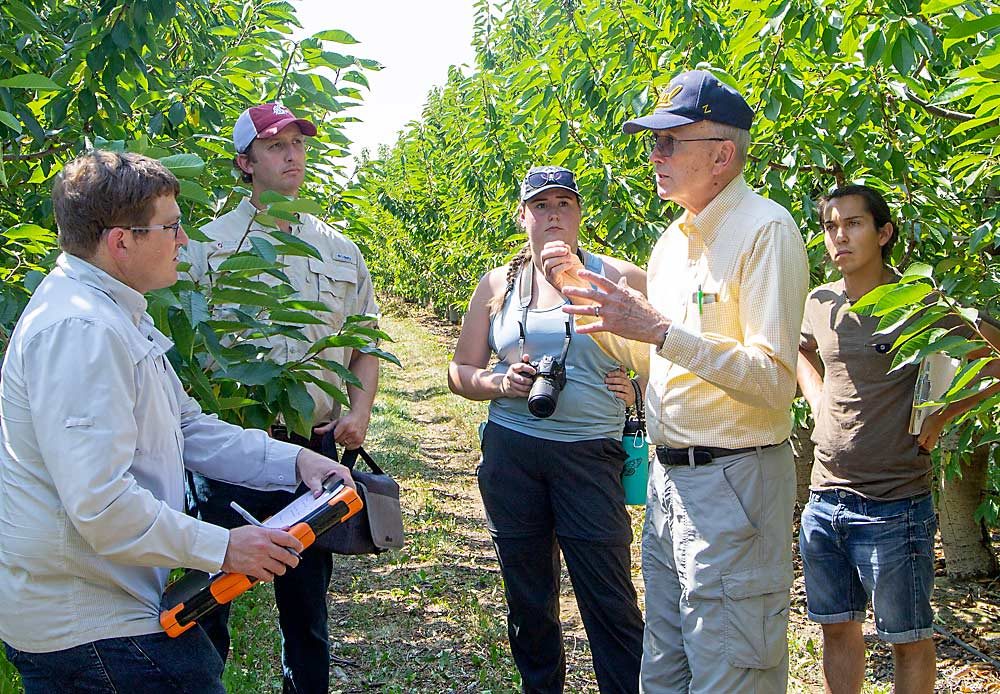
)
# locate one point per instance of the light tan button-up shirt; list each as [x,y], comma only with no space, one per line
[725,374]
[340,280]
[97,431]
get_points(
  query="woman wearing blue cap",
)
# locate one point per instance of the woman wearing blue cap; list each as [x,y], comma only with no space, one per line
[552,456]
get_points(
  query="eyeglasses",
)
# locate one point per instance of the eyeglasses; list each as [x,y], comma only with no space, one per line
[175,227]
[666,143]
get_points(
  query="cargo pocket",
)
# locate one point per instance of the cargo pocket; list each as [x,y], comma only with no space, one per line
[755,602]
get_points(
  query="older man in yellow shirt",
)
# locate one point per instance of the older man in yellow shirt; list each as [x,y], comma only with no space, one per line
[719,338]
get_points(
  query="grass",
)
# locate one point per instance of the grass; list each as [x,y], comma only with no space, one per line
[430,618]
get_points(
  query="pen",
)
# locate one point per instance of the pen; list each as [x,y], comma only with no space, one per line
[701,297]
[248,517]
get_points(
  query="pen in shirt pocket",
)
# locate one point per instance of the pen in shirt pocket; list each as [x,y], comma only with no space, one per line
[702,297]
[248,517]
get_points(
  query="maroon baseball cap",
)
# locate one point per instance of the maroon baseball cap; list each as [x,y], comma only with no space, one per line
[266,121]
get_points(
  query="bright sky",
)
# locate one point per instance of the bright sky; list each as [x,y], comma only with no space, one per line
[415,41]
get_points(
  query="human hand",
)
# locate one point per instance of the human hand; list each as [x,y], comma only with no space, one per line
[560,264]
[261,552]
[516,383]
[930,431]
[617,308]
[621,385]
[315,468]
[350,430]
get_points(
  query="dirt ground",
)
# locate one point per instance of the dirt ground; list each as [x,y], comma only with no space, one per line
[447,634]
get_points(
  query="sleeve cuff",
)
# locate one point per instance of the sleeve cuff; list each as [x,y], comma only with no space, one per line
[680,345]
[210,547]
[279,461]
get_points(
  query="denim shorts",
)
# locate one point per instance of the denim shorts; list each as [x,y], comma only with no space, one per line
[855,548]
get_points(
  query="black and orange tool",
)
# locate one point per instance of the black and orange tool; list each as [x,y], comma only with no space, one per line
[197,593]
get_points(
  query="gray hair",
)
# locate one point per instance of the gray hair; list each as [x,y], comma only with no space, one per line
[738,136]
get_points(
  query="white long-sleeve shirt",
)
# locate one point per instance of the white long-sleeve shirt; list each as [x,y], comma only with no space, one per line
[96,432]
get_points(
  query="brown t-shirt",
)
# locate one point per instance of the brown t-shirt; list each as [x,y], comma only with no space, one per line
[862,440]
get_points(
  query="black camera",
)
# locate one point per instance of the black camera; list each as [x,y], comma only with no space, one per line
[550,379]
[550,376]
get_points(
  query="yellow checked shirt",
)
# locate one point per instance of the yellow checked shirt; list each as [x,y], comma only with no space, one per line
[340,280]
[725,374]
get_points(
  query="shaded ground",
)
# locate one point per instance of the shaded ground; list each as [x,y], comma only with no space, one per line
[430,618]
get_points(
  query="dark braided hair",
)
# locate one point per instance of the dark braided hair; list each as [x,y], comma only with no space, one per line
[512,272]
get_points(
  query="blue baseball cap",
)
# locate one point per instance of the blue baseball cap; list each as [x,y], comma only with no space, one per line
[540,178]
[694,96]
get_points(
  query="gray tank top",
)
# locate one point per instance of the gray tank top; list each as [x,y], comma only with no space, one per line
[586,408]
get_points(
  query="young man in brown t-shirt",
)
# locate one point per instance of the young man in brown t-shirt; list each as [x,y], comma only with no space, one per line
[868,529]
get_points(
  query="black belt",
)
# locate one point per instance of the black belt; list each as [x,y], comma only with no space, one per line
[701,455]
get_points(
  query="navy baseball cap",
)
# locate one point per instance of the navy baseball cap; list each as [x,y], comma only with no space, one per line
[694,96]
[541,178]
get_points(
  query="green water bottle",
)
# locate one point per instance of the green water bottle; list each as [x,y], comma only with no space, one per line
[636,471]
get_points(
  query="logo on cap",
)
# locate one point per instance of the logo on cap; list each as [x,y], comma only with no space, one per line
[280,110]
[667,100]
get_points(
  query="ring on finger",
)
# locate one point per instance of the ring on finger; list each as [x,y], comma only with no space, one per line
[597,312]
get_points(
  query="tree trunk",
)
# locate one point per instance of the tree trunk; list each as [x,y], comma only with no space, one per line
[803,446]
[968,552]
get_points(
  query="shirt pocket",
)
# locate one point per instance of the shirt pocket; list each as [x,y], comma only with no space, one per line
[336,285]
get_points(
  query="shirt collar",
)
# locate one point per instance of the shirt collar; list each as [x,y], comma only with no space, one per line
[131,301]
[710,220]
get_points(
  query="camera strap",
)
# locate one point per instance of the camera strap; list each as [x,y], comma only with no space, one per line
[526,285]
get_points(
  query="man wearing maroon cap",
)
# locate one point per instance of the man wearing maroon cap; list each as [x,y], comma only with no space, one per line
[270,146]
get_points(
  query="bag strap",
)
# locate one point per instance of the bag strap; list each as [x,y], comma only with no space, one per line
[351,459]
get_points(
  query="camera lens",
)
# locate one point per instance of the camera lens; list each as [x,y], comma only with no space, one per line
[543,398]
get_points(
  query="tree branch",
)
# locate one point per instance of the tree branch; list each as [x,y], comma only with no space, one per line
[54,149]
[937,110]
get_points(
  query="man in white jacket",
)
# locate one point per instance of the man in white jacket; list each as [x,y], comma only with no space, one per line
[97,431]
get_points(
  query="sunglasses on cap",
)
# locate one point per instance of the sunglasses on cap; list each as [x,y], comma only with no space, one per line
[560,177]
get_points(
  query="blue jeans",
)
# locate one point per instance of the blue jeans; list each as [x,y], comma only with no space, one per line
[855,548]
[300,594]
[151,664]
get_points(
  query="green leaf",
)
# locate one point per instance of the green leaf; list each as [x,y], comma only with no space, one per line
[29,232]
[293,245]
[333,391]
[192,191]
[244,261]
[336,341]
[932,316]
[253,373]
[917,271]
[299,205]
[11,121]
[964,30]
[264,248]
[335,35]
[184,165]
[31,81]
[300,399]
[244,297]
[181,333]
[371,333]
[177,113]
[195,307]
[895,318]
[297,317]
[901,296]
[345,374]
[381,354]
[865,304]
[966,374]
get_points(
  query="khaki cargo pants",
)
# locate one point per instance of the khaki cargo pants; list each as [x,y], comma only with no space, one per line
[717,564]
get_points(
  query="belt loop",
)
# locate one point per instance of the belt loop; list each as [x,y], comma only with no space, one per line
[691,456]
